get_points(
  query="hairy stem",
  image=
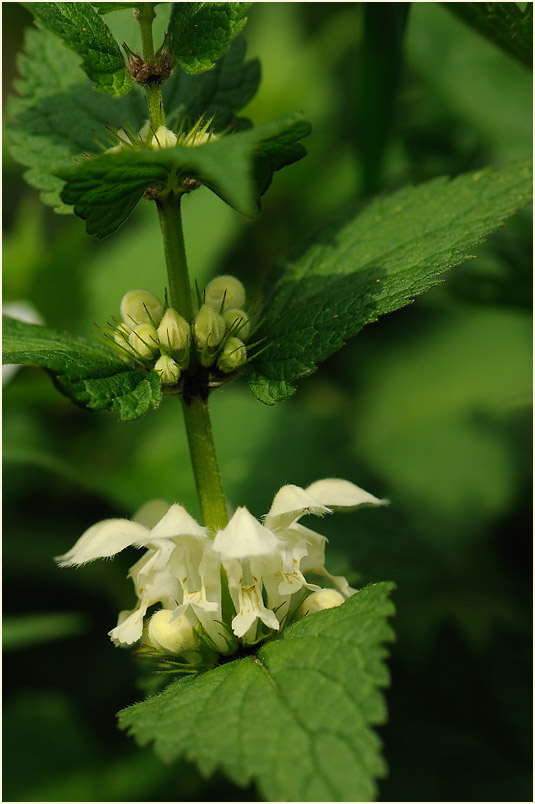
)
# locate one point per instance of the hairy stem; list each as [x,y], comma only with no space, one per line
[196,414]
[145,16]
[204,462]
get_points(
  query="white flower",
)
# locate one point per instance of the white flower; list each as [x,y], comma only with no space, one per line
[273,558]
[173,572]
[264,566]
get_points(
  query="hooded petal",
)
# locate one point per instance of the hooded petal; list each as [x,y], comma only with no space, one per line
[290,503]
[244,537]
[151,512]
[176,522]
[103,540]
[341,495]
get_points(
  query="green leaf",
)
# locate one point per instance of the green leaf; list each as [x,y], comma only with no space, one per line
[107,8]
[218,93]
[505,24]
[200,33]
[90,374]
[296,718]
[105,190]
[83,30]
[58,115]
[375,263]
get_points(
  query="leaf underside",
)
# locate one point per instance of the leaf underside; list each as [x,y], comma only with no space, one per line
[105,190]
[374,263]
[296,718]
[90,374]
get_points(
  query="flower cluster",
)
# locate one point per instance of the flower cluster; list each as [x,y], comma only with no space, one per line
[160,338]
[239,585]
[164,137]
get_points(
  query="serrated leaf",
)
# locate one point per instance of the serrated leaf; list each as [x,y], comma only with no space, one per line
[83,30]
[200,33]
[277,152]
[58,115]
[218,93]
[375,263]
[505,24]
[296,718]
[87,372]
[105,190]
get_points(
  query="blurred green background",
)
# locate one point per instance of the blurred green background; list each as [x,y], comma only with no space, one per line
[429,407]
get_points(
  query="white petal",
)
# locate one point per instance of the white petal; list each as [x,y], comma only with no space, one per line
[290,503]
[245,537]
[176,522]
[103,540]
[341,495]
[151,512]
[129,626]
[251,608]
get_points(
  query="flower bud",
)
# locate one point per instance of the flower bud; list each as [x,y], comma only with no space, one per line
[168,370]
[209,328]
[238,322]
[144,340]
[174,335]
[225,287]
[318,601]
[164,138]
[171,637]
[121,335]
[233,355]
[141,307]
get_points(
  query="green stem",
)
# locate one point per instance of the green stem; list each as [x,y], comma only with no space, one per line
[204,462]
[196,414]
[153,92]
[175,254]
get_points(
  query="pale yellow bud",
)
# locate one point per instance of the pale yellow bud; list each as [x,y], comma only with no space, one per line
[164,138]
[168,370]
[144,131]
[227,287]
[202,137]
[238,322]
[174,335]
[144,340]
[121,335]
[233,355]
[141,307]
[318,601]
[209,328]
[171,637]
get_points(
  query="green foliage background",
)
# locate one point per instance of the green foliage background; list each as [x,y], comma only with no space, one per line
[430,407]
